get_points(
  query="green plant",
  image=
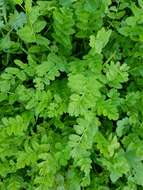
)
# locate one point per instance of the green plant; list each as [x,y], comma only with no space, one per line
[71,95]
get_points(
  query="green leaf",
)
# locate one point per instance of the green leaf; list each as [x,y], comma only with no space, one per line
[16,125]
[26,34]
[99,42]
[67,3]
[17,2]
[40,40]
[39,25]
[28,6]
[140,2]
[4,86]
[122,126]
[51,67]
[116,74]
[17,20]
[114,145]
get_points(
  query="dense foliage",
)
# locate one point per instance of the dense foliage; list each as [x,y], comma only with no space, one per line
[71,94]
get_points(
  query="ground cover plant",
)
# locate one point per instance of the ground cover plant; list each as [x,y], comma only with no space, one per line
[71,95]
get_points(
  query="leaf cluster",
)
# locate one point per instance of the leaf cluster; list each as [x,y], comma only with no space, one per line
[71,97]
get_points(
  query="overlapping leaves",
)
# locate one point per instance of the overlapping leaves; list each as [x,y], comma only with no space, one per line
[71,94]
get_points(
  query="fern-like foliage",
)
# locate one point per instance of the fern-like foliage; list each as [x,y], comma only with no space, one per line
[71,97]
